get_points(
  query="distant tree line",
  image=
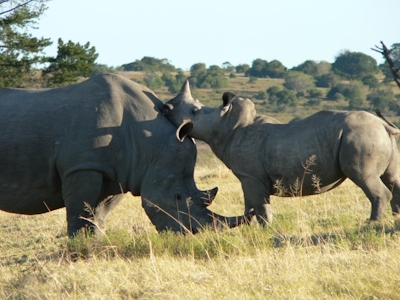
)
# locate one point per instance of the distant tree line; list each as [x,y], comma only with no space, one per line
[352,77]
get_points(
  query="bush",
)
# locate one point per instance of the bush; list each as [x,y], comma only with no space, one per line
[298,81]
[153,81]
[315,93]
[383,99]
[327,80]
[261,95]
[252,79]
[370,80]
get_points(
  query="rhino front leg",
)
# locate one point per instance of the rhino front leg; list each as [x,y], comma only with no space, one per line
[81,191]
[257,197]
[104,208]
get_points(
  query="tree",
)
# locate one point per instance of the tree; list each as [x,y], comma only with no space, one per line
[228,67]
[271,92]
[73,61]
[261,69]
[370,80]
[257,68]
[153,81]
[392,58]
[354,65]
[101,69]
[286,97]
[382,99]
[327,80]
[197,73]
[19,50]
[275,69]
[214,78]
[149,64]
[174,83]
[242,68]
[313,68]
[298,81]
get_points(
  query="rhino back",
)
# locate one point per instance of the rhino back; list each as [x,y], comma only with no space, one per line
[48,133]
[281,150]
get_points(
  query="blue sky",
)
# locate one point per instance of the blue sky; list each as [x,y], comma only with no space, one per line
[215,31]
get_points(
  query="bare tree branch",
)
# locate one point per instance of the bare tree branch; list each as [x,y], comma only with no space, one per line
[386,54]
[15,7]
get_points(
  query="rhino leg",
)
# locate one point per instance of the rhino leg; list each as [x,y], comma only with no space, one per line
[378,194]
[104,208]
[81,191]
[395,203]
[391,179]
[256,196]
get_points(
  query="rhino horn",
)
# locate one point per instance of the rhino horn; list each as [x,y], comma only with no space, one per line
[232,222]
[208,196]
[185,90]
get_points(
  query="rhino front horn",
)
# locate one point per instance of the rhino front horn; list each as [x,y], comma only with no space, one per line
[185,90]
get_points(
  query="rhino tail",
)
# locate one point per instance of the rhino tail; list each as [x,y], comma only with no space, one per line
[391,128]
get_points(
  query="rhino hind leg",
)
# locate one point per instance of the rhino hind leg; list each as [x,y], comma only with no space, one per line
[378,194]
[81,191]
[395,203]
[394,186]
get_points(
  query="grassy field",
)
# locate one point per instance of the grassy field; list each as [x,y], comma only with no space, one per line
[318,247]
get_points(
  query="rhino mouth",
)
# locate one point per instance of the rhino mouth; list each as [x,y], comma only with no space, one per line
[188,223]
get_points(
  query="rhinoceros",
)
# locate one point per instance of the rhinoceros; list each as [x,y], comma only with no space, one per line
[85,145]
[310,156]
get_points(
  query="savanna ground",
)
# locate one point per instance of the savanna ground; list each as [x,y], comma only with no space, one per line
[318,247]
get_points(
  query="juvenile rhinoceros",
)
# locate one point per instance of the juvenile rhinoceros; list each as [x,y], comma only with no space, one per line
[303,158]
[91,142]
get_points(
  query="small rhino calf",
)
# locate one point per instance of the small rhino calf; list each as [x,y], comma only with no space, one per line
[262,152]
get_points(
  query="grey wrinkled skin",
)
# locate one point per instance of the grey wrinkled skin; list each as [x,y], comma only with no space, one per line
[271,158]
[92,142]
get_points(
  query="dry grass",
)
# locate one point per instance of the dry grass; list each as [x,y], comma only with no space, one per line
[318,247]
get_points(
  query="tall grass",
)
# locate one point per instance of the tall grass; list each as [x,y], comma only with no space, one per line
[318,247]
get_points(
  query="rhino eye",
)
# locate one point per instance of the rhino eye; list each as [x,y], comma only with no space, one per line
[195,110]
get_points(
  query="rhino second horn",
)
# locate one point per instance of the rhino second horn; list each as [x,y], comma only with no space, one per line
[209,196]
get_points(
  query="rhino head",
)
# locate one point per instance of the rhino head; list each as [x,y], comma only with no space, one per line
[233,112]
[170,197]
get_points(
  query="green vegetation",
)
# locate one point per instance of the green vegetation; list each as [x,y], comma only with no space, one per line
[149,64]
[19,50]
[21,54]
[72,61]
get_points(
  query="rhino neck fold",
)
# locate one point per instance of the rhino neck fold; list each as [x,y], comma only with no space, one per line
[220,144]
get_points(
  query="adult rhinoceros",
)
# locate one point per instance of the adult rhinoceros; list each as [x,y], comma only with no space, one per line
[90,142]
[270,158]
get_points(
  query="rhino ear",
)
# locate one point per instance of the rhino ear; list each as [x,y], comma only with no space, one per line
[166,108]
[184,129]
[227,98]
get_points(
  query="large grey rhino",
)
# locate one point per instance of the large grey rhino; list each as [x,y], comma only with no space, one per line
[89,143]
[303,158]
